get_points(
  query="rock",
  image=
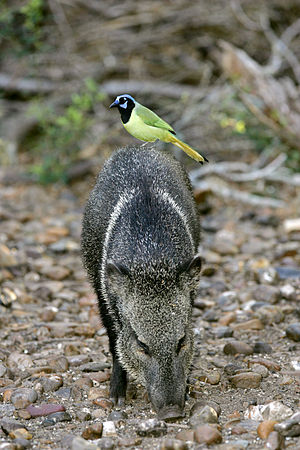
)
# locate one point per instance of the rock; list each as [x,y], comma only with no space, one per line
[290,225]
[270,314]
[83,415]
[66,392]
[3,370]
[7,424]
[186,435]
[59,364]
[275,441]
[23,397]
[21,444]
[290,427]
[224,243]
[235,347]
[44,409]
[109,429]
[78,443]
[48,314]
[52,419]
[93,432]
[271,411]
[20,433]
[7,258]
[7,446]
[204,415]
[57,273]
[293,331]
[52,383]
[206,434]
[116,416]
[105,443]
[288,292]
[285,272]
[76,360]
[267,275]
[231,369]
[173,444]
[247,380]
[262,347]
[151,428]
[265,428]
[228,301]
[227,318]
[19,361]
[253,324]
[262,370]
[94,366]
[129,442]
[266,293]
[270,365]
[84,383]
[223,332]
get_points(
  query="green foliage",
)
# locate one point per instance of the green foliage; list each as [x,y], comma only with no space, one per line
[22,26]
[60,135]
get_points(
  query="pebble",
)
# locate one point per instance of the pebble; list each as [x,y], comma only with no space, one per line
[83,415]
[52,383]
[56,273]
[270,365]
[271,411]
[253,324]
[228,301]
[78,443]
[206,414]
[23,397]
[223,332]
[3,370]
[130,441]
[270,314]
[288,292]
[275,441]
[20,433]
[290,427]
[151,428]
[173,444]
[235,347]
[83,383]
[7,446]
[247,380]
[21,444]
[265,428]
[227,318]
[104,403]
[206,434]
[262,370]
[59,364]
[116,416]
[262,347]
[105,443]
[52,419]
[94,366]
[19,361]
[285,272]
[93,432]
[109,429]
[44,409]
[232,368]
[186,435]
[8,425]
[293,331]
[266,293]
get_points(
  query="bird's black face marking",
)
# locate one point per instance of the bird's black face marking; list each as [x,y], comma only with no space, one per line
[125,104]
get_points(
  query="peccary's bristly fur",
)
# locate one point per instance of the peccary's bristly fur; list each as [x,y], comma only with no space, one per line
[139,241]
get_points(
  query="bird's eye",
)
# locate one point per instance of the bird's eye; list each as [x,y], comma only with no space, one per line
[144,347]
[180,344]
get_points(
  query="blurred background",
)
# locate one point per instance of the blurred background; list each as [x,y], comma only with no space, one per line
[62,62]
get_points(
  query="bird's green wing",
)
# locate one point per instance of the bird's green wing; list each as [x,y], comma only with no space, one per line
[152,119]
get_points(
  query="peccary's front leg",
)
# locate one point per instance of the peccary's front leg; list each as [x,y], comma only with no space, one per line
[118,379]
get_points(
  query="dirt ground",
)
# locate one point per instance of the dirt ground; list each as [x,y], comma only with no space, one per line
[54,350]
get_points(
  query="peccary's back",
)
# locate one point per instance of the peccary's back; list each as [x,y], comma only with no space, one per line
[141,207]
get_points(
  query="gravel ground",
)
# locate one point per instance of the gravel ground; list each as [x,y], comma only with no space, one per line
[54,360]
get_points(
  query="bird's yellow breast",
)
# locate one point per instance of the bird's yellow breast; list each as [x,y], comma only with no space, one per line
[140,130]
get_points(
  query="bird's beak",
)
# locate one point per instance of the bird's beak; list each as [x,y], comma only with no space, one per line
[114,104]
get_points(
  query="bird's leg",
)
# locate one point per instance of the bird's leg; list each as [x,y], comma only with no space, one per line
[144,144]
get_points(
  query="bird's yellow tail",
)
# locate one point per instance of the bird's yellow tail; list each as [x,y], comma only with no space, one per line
[187,149]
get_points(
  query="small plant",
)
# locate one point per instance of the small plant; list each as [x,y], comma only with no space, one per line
[60,135]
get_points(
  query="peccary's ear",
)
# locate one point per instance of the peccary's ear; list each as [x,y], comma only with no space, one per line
[114,268]
[192,267]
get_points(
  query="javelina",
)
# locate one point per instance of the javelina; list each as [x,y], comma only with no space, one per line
[139,240]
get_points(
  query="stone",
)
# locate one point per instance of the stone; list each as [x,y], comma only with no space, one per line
[228,301]
[52,419]
[83,415]
[105,443]
[223,332]
[20,433]
[285,272]
[173,444]
[19,361]
[7,425]
[59,364]
[262,370]
[7,258]
[235,347]
[84,383]
[262,347]
[151,428]
[117,416]
[293,331]
[290,427]
[109,429]
[52,383]
[246,380]
[93,432]
[21,444]
[206,434]
[232,368]
[104,403]
[78,443]
[186,435]
[275,441]
[94,366]
[129,442]
[227,318]
[265,428]
[44,409]
[253,324]
[266,293]
[57,273]
[270,365]
[205,415]
[3,370]
[271,411]
[48,314]
[288,292]
[23,397]
[65,392]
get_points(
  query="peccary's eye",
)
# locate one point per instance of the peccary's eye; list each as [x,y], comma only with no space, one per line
[180,344]
[144,347]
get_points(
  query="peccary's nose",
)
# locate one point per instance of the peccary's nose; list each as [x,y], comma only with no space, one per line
[170,412]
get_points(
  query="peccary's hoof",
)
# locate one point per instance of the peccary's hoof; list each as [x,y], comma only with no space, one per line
[170,413]
[118,401]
